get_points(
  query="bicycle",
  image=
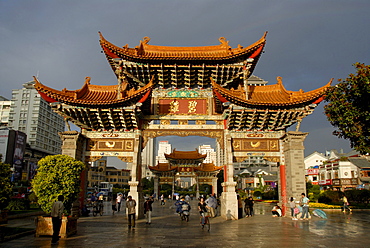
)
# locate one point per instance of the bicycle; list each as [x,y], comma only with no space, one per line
[204,220]
[98,208]
[184,215]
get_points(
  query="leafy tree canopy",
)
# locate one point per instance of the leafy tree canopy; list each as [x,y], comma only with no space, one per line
[5,184]
[57,175]
[348,108]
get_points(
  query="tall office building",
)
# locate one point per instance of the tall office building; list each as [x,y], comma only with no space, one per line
[4,111]
[164,147]
[32,115]
[211,154]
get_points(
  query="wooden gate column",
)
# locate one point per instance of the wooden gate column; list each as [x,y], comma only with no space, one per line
[135,188]
[74,145]
[294,167]
[229,204]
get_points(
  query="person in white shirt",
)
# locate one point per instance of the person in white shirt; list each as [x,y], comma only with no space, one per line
[119,200]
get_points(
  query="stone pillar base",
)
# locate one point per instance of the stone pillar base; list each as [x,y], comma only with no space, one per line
[229,203]
[137,195]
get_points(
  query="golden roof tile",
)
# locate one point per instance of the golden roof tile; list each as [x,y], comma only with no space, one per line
[269,95]
[153,52]
[185,155]
[208,167]
[92,95]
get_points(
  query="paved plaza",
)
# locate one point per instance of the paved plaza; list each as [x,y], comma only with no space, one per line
[167,230]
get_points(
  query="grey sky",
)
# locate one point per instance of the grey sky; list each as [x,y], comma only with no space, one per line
[308,42]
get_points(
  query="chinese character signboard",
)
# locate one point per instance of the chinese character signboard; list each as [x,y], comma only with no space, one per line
[183,106]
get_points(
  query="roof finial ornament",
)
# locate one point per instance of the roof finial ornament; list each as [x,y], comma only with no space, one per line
[224,42]
[279,80]
[145,40]
[87,80]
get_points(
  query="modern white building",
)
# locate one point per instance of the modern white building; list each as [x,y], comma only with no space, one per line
[4,111]
[211,154]
[164,147]
[312,164]
[31,114]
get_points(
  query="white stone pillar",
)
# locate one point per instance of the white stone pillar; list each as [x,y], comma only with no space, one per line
[135,189]
[156,186]
[214,185]
[229,203]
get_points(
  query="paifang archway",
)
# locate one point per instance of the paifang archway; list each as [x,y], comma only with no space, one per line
[206,91]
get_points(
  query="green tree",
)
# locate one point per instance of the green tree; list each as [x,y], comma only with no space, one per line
[5,184]
[57,175]
[348,109]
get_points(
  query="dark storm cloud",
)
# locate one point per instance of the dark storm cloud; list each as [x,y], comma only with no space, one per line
[308,42]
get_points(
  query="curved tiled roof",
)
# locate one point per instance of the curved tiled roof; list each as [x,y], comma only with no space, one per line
[185,155]
[269,95]
[208,167]
[211,53]
[92,95]
[162,167]
[166,167]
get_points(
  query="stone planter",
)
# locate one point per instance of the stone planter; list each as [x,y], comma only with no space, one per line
[44,226]
[4,216]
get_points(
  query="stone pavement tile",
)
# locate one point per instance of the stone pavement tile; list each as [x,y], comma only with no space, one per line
[167,230]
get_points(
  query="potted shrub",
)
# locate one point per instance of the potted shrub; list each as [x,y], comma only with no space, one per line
[57,175]
[5,190]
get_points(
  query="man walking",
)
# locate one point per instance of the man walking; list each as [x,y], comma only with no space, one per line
[212,204]
[304,204]
[56,218]
[148,209]
[131,211]
[119,200]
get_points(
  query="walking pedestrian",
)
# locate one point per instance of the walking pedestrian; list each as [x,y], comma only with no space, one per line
[114,205]
[248,207]
[292,207]
[240,207]
[304,204]
[202,207]
[148,209]
[212,204]
[119,200]
[56,218]
[346,204]
[131,211]
[162,200]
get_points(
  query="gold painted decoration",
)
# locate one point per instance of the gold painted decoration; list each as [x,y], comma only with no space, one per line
[248,145]
[126,159]
[110,145]
[240,159]
[92,158]
[183,122]
[272,158]
[165,122]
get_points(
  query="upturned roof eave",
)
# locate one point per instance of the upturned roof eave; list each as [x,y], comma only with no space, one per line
[129,54]
[305,99]
[69,97]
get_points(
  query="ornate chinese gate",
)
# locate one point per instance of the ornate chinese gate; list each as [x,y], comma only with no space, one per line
[183,91]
